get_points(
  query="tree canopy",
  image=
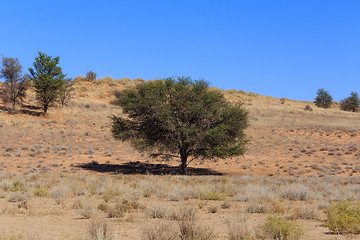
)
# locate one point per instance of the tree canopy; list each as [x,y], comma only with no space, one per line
[351,103]
[181,117]
[47,79]
[323,98]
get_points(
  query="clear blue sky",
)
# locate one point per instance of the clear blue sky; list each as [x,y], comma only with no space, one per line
[281,48]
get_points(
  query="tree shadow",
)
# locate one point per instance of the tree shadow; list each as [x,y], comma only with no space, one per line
[31,110]
[144,168]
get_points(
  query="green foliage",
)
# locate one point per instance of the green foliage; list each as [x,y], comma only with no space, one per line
[18,186]
[41,192]
[16,84]
[213,195]
[281,228]
[351,103]
[47,79]
[323,99]
[182,117]
[344,217]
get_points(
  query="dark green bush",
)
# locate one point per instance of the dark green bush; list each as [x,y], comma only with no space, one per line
[323,98]
[351,103]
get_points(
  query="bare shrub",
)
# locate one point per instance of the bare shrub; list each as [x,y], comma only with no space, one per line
[238,231]
[158,211]
[189,230]
[87,212]
[14,88]
[17,197]
[90,76]
[256,208]
[100,230]
[5,185]
[160,231]
[116,211]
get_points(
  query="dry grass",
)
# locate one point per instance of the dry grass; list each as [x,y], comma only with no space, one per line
[298,164]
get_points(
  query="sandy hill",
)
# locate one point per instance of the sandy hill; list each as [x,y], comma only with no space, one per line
[285,139]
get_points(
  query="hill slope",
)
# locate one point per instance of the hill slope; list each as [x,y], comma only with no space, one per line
[284,138]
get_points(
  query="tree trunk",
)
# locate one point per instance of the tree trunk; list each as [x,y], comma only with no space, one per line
[183,166]
[46,109]
[13,106]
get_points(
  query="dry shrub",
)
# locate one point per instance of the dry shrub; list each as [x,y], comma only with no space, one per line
[308,212]
[160,231]
[189,230]
[17,197]
[99,230]
[87,212]
[158,211]
[116,211]
[238,231]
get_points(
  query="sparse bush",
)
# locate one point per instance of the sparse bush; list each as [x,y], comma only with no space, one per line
[323,99]
[99,230]
[158,211]
[238,231]
[308,108]
[297,193]
[17,197]
[344,217]
[190,231]
[87,212]
[66,92]
[5,185]
[282,229]
[160,231]
[256,208]
[90,76]
[117,211]
[351,103]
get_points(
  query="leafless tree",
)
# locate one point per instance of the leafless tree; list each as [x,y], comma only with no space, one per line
[16,84]
[67,92]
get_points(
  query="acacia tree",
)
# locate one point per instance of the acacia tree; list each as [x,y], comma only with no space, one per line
[181,117]
[16,84]
[66,92]
[47,79]
[351,103]
[323,98]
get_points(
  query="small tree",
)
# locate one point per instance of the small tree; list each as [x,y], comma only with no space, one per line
[47,79]
[351,103]
[323,98]
[66,92]
[90,76]
[182,117]
[16,84]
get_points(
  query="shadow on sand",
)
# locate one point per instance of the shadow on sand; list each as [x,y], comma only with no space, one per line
[144,168]
[30,110]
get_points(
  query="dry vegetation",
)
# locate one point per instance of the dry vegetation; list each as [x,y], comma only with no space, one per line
[64,177]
